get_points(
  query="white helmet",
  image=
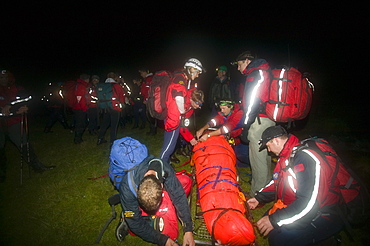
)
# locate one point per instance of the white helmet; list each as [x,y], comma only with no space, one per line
[195,63]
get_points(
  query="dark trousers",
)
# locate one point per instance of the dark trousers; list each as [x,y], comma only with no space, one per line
[320,229]
[92,115]
[13,133]
[139,113]
[80,118]
[110,119]
[169,144]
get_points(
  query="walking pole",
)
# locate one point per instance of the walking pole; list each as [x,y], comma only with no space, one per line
[27,142]
[21,147]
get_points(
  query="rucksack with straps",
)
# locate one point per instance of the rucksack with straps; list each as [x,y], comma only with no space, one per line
[125,155]
[157,94]
[290,95]
[69,93]
[104,92]
[353,191]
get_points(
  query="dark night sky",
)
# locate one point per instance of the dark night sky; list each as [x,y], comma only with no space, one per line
[54,42]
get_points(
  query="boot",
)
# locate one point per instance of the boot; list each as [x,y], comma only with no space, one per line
[38,167]
[122,229]
[174,159]
[101,141]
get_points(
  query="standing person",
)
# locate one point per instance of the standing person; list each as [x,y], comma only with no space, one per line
[111,114]
[92,111]
[176,98]
[145,85]
[255,120]
[139,109]
[219,89]
[304,212]
[54,103]
[80,107]
[229,123]
[13,106]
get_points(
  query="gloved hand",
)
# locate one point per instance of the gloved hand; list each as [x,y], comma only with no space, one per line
[244,136]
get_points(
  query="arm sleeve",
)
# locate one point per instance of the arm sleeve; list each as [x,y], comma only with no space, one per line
[179,200]
[302,210]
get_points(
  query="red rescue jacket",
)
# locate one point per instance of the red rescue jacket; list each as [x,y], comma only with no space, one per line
[302,184]
[176,89]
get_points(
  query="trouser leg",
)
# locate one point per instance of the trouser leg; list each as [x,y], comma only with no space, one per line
[260,161]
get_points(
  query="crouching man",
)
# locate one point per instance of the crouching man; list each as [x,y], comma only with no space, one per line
[305,210]
[155,179]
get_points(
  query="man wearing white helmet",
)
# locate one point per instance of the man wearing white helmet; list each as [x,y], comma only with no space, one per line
[176,93]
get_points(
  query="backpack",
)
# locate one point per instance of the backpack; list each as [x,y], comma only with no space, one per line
[157,95]
[354,194]
[125,155]
[290,95]
[69,93]
[104,92]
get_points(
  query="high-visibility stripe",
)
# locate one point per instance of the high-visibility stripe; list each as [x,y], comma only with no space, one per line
[254,96]
[280,91]
[313,198]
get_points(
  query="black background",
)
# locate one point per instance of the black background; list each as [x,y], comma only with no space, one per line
[56,41]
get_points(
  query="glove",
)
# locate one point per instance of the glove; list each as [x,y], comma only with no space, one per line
[244,136]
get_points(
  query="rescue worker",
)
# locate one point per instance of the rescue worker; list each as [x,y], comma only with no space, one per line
[227,122]
[255,95]
[151,177]
[304,212]
[111,115]
[220,89]
[80,108]
[13,106]
[145,85]
[92,111]
[176,98]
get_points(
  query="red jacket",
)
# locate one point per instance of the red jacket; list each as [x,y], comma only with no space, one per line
[118,99]
[230,124]
[176,89]
[9,94]
[184,131]
[256,90]
[82,95]
[92,97]
[303,186]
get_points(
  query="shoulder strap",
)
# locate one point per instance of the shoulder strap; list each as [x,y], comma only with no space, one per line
[131,182]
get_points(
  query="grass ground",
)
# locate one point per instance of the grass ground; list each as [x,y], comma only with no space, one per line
[64,207]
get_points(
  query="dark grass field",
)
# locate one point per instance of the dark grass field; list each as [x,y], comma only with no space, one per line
[64,207]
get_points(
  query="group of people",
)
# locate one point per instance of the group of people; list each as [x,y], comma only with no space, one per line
[303,212]
[304,218]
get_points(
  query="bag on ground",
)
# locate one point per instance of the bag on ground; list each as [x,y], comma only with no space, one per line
[126,153]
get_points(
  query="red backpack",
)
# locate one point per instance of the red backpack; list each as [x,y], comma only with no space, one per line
[290,95]
[69,93]
[157,94]
[353,191]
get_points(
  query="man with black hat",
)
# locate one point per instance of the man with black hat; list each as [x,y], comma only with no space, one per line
[256,88]
[303,213]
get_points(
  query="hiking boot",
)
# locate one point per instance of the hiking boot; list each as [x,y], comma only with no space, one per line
[38,167]
[101,141]
[122,229]
[174,159]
